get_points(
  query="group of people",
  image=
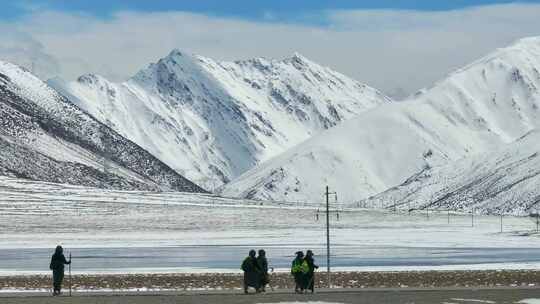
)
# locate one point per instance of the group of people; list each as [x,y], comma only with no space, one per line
[303,270]
[256,271]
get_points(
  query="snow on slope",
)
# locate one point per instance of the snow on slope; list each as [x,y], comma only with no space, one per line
[212,121]
[476,109]
[45,137]
[504,181]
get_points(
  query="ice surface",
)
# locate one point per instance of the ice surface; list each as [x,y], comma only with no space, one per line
[530,301]
[188,229]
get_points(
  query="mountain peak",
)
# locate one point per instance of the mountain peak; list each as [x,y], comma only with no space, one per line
[226,117]
[521,47]
[91,79]
[178,53]
[527,41]
[300,57]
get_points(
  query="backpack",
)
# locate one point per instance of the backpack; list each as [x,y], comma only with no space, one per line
[300,266]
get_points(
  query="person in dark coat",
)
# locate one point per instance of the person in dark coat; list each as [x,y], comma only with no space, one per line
[263,266]
[310,275]
[252,272]
[299,269]
[58,261]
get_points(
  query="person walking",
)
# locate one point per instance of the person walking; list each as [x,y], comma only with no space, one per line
[299,268]
[310,275]
[263,266]
[58,261]
[252,272]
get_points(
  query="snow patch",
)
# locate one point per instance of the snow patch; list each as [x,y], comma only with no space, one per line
[223,118]
[475,110]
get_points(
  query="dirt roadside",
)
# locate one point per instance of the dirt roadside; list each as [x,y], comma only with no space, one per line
[219,281]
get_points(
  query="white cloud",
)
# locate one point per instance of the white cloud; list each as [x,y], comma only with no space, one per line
[385,48]
[21,48]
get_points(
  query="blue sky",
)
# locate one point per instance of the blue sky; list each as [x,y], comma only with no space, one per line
[379,42]
[280,10]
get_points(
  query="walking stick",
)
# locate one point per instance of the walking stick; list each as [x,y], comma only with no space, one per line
[70,274]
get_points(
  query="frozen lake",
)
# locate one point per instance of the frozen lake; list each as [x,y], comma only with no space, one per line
[228,258]
[110,231]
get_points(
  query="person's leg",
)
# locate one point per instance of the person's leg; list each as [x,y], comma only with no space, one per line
[266,281]
[60,280]
[305,282]
[55,282]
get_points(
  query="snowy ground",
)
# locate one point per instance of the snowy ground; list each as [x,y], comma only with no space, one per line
[113,231]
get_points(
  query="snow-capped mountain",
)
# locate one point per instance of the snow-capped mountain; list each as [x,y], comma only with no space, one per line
[503,181]
[212,121]
[45,137]
[491,102]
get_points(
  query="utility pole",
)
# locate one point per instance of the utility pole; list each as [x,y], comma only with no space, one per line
[327,194]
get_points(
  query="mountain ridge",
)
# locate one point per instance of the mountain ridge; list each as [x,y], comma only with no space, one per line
[211,120]
[45,137]
[476,109]
[502,181]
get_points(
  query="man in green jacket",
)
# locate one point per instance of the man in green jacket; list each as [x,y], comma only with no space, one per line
[299,269]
